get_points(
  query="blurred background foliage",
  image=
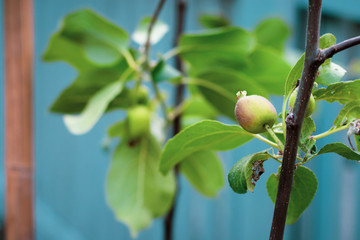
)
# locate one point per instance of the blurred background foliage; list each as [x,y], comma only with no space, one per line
[70,171]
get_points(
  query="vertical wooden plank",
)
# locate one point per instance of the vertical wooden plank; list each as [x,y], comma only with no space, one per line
[18,48]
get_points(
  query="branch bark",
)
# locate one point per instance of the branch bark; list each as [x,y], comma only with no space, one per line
[314,57]
[295,119]
[179,97]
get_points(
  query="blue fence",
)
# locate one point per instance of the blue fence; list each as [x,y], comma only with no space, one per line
[71,170]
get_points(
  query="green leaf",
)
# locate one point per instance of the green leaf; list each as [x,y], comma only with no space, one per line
[219,87]
[74,98]
[244,174]
[329,74]
[303,191]
[204,135]
[159,29]
[272,33]
[196,105]
[164,72]
[213,21]
[308,146]
[294,76]
[94,109]
[136,191]
[342,92]
[340,149]
[349,112]
[268,69]
[86,40]
[117,130]
[307,129]
[222,46]
[204,171]
[327,40]
[357,142]
[63,49]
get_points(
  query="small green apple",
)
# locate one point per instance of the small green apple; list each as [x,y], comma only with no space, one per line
[255,112]
[311,105]
[138,121]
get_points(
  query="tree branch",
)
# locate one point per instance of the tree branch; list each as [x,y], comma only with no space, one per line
[151,25]
[147,52]
[331,51]
[295,119]
[181,9]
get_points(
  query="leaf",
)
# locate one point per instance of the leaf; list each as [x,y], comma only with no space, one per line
[340,149]
[63,49]
[219,87]
[349,112]
[307,129]
[308,146]
[164,72]
[294,76]
[136,191]
[204,135]
[159,29]
[327,40]
[85,40]
[117,130]
[196,105]
[204,171]
[342,92]
[213,21]
[329,74]
[357,142]
[303,191]
[272,33]
[242,176]
[74,98]
[94,109]
[217,47]
[268,69]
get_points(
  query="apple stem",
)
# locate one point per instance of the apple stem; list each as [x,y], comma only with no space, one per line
[273,135]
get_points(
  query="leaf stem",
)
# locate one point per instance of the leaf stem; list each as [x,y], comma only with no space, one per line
[273,135]
[171,53]
[331,131]
[265,140]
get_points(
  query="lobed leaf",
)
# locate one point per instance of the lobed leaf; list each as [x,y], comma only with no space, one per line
[303,191]
[241,176]
[272,33]
[204,171]
[342,92]
[340,149]
[134,173]
[204,135]
[86,40]
[158,31]
[349,112]
[94,109]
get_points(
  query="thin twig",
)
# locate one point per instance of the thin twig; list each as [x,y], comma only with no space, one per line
[169,219]
[331,51]
[147,58]
[151,25]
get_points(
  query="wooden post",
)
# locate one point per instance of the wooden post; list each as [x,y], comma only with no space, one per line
[18,27]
